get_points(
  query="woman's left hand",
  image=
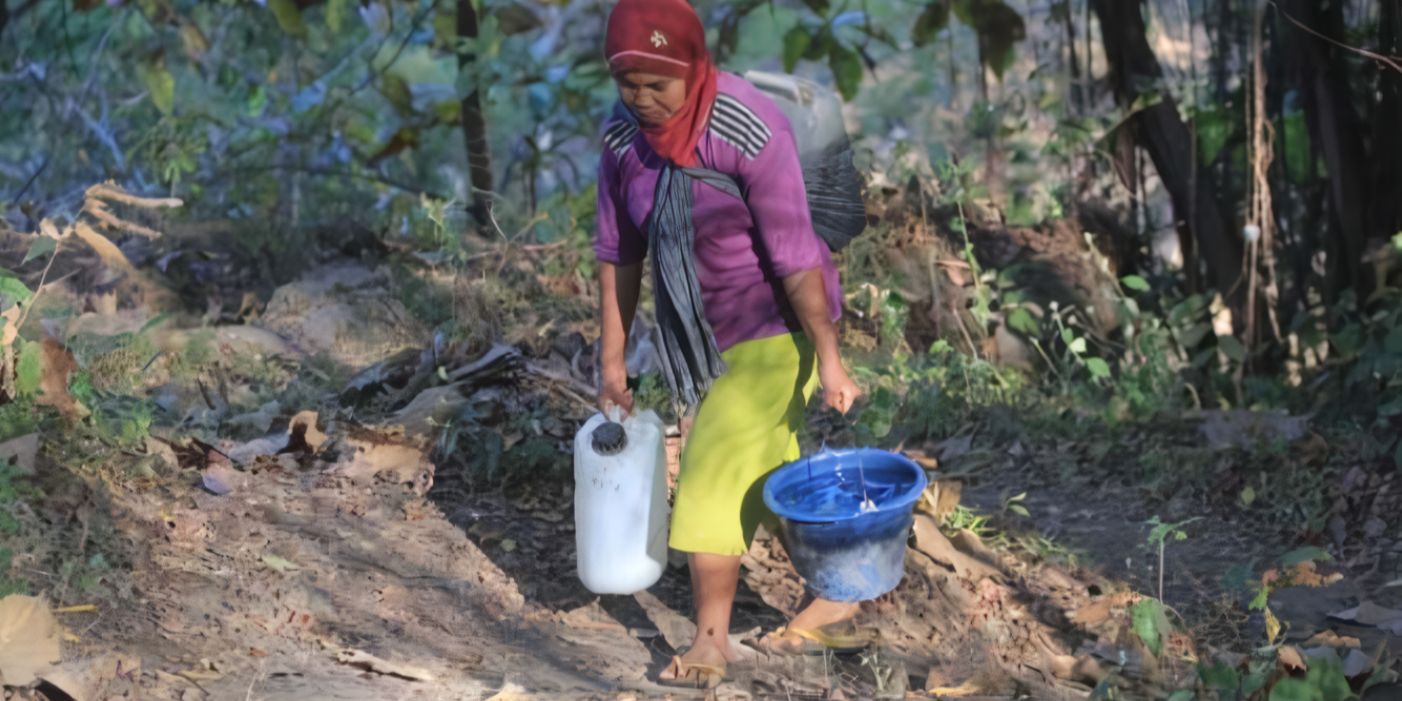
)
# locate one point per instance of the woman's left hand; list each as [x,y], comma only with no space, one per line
[839,391]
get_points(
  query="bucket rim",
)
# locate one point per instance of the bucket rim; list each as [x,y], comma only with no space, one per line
[902,502]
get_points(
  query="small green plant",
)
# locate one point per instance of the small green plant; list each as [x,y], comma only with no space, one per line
[1014,505]
[962,518]
[1160,533]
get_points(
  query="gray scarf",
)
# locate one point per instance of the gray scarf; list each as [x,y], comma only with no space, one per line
[691,361]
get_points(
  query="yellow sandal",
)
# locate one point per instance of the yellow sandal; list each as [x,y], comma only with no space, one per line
[845,641]
[691,675]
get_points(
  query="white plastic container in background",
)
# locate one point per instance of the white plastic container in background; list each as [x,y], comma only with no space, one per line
[620,505]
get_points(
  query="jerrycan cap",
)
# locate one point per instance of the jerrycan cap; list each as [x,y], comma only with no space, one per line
[609,438]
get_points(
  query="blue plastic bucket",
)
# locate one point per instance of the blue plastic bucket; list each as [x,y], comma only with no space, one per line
[843,553]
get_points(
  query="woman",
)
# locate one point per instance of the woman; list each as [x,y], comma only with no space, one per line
[766,283]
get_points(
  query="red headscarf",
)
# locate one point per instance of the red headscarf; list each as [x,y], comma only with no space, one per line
[665,37]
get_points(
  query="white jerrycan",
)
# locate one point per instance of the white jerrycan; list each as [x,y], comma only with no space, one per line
[620,503]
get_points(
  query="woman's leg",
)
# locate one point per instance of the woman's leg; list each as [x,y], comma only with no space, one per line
[713,582]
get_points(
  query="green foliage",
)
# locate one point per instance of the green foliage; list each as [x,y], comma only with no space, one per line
[8,584]
[932,20]
[10,495]
[1161,532]
[929,395]
[29,370]
[1308,553]
[43,246]
[160,85]
[1323,681]
[1150,621]
[18,418]
[12,288]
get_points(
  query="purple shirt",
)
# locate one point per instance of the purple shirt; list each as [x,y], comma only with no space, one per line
[743,253]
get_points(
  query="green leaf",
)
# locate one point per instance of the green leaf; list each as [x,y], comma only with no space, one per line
[1325,681]
[1182,695]
[1255,681]
[1022,321]
[846,69]
[1150,623]
[153,322]
[288,16]
[796,44]
[29,369]
[1136,283]
[41,247]
[396,91]
[819,45]
[1261,600]
[12,287]
[1219,677]
[1078,346]
[999,27]
[336,13]
[1098,368]
[1248,496]
[1232,347]
[818,6]
[931,22]
[1214,129]
[1309,553]
[1295,139]
[161,86]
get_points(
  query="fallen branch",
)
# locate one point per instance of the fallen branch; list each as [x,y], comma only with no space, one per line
[99,211]
[116,194]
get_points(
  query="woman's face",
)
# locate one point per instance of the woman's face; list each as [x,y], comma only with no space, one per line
[652,98]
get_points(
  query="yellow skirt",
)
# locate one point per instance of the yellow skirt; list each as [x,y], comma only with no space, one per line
[746,427]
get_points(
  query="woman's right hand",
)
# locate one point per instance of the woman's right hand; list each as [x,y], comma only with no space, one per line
[613,390]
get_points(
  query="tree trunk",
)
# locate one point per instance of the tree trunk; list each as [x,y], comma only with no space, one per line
[1386,217]
[1158,129]
[1336,132]
[1077,102]
[474,125]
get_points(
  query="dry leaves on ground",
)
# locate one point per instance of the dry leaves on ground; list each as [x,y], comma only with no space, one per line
[29,639]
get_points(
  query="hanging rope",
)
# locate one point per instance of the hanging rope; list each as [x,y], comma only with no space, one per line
[1261,217]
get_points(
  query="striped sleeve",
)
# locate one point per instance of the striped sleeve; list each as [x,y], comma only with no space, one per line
[739,126]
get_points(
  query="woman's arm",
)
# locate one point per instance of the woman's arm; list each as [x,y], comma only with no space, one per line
[808,297]
[619,286]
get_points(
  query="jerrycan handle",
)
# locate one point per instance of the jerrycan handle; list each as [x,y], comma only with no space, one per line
[609,438]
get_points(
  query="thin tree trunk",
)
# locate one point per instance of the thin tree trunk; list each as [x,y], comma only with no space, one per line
[474,124]
[1162,133]
[1336,131]
[1387,137]
[1077,103]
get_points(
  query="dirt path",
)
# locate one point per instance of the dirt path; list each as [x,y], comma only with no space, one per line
[366,556]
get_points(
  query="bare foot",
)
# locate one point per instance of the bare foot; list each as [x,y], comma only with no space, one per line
[821,612]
